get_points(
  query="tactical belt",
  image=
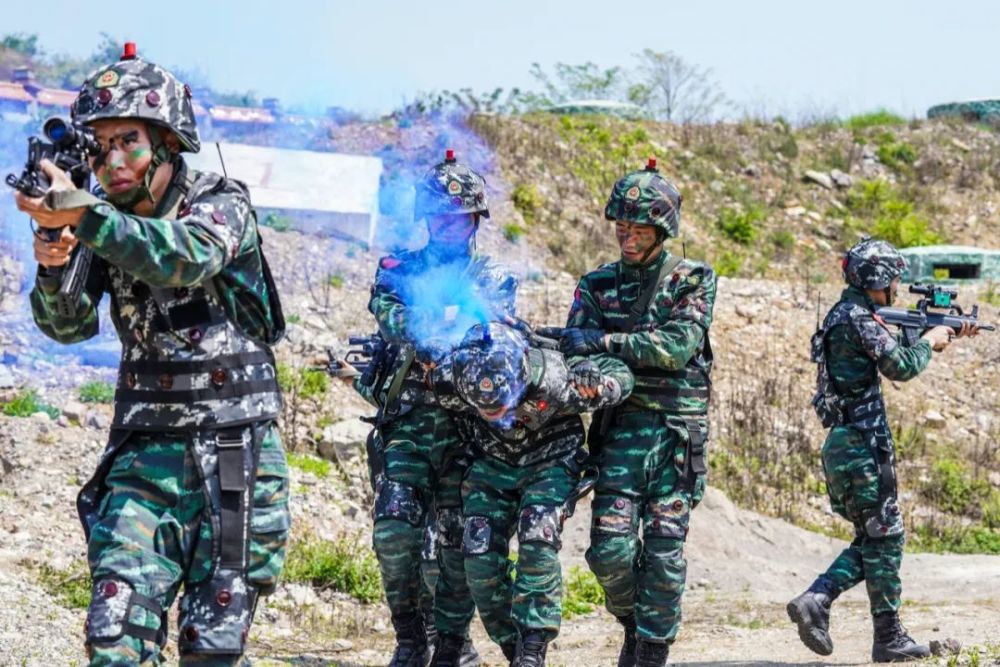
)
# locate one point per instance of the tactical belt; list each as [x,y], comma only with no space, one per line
[146,373]
[868,409]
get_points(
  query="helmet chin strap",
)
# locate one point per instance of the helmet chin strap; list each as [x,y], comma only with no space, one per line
[660,238]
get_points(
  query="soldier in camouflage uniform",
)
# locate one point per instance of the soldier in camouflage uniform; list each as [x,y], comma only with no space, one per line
[526,439]
[852,347]
[192,489]
[652,310]
[424,301]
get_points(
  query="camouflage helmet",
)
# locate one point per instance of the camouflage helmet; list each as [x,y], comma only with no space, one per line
[491,366]
[646,198]
[872,264]
[134,88]
[450,188]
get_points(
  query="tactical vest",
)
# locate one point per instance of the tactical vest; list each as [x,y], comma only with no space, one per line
[186,364]
[538,434]
[667,389]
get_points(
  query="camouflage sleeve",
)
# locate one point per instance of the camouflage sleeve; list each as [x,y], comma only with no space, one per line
[46,314]
[895,361]
[584,313]
[172,253]
[389,310]
[499,286]
[616,373]
[672,344]
[367,392]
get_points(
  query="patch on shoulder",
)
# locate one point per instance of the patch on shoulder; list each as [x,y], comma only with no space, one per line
[389,262]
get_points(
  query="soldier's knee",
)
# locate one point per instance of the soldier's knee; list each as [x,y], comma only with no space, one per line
[667,517]
[118,613]
[611,554]
[215,615]
[540,524]
[613,516]
[450,527]
[395,500]
[882,523]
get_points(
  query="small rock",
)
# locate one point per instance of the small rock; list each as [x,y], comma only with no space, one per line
[960,145]
[97,419]
[752,170]
[75,411]
[795,211]
[6,377]
[347,437]
[945,647]
[716,186]
[41,417]
[840,179]
[934,419]
[819,178]
[63,421]
[994,478]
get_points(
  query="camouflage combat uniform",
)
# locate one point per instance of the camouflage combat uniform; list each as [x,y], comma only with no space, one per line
[852,348]
[192,489]
[421,446]
[523,472]
[652,455]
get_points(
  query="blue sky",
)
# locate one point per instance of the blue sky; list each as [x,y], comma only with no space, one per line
[795,58]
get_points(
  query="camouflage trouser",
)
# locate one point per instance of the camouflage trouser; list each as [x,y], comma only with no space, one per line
[641,479]
[876,553]
[421,473]
[154,534]
[500,500]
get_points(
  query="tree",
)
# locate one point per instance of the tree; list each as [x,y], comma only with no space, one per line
[578,82]
[21,42]
[676,90]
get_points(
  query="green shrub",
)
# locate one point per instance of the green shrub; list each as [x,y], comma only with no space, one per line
[527,201]
[953,538]
[783,239]
[894,154]
[305,382]
[97,392]
[886,215]
[513,232]
[873,119]
[953,489]
[26,403]
[335,281]
[71,587]
[582,592]
[312,464]
[293,318]
[345,565]
[741,226]
[728,264]
[279,223]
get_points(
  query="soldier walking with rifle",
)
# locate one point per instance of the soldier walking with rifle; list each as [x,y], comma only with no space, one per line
[852,348]
[192,490]
[652,310]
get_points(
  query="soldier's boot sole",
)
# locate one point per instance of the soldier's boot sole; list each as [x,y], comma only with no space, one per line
[816,639]
[912,652]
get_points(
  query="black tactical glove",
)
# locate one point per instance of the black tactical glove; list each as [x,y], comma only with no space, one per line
[587,374]
[582,341]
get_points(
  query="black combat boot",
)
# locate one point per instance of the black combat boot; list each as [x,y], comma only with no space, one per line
[430,630]
[411,642]
[455,651]
[530,650]
[509,651]
[651,654]
[892,644]
[811,612]
[626,657]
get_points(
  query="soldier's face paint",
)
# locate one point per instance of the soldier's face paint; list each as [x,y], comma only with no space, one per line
[451,229]
[638,243]
[126,153]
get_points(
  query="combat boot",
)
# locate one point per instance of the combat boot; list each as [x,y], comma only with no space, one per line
[411,642]
[430,629]
[509,651]
[811,612]
[892,644]
[626,657]
[651,654]
[455,651]
[530,650]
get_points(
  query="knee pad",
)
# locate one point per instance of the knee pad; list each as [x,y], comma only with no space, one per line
[883,522]
[667,516]
[478,536]
[540,523]
[450,527]
[114,608]
[215,614]
[394,500]
[613,515]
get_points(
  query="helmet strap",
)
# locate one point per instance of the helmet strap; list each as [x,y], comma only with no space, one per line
[661,236]
[130,198]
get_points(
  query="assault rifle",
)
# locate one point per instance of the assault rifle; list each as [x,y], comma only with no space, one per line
[915,321]
[363,358]
[68,147]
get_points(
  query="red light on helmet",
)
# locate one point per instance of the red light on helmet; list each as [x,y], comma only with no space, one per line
[449,155]
[651,164]
[128,52]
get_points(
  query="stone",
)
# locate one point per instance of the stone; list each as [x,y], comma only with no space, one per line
[97,419]
[6,377]
[960,145]
[41,417]
[75,411]
[343,440]
[840,179]
[946,647]
[752,170]
[795,211]
[819,178]
[934,419]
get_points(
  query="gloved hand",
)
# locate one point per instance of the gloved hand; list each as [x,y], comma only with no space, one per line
[582,341]
[587,375]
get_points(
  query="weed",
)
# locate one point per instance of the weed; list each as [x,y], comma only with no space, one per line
[991,294]
[293,318]
[728,264]
[26,403]
[741,225]
[71,587]
[527,201]
[335,280]
[97,392]
[582,593]
[887,215]
[279,223]
[876,118]
[513,232]
[344,565]
[311,464]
